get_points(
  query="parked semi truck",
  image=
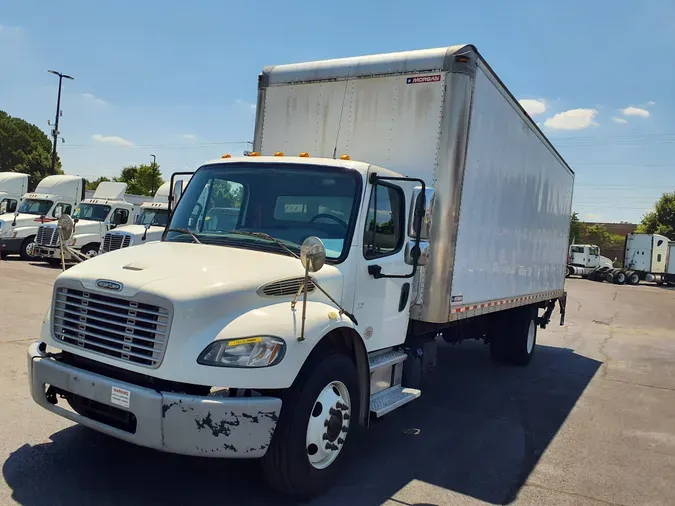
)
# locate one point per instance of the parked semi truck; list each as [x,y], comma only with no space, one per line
[583,259]
[389,199]
[13,185]
[109,207]
[645,258]
[669,276]
[148,226]
[53,196]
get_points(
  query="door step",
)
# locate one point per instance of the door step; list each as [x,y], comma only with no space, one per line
[388,400]
[387,358]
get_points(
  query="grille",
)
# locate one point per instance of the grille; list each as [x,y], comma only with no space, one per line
[284,288]
[127,330]
[115,241]
[47,236]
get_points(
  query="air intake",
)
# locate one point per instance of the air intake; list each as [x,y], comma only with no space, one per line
[284,288]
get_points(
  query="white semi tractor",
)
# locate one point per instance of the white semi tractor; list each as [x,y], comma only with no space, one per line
[109,207]
[583,259]
[148,226]
[53,196]
[13,185]
[414,198]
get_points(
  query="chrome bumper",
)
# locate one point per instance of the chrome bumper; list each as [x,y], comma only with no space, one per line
[190,425]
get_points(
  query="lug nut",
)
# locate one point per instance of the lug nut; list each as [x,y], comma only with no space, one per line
[325,437]
[346,416]
[333,411]
[345,428]
[340,441]
[325,423]
[341,406]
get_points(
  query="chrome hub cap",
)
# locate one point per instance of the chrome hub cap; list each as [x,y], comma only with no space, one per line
[328,425]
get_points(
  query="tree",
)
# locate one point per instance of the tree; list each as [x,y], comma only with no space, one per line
[92,185]
[141,179]
[662,219]
[575,228]
[25,148]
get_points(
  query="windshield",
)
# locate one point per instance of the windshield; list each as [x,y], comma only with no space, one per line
[154,217]
[94,212]
[288,202]
[35,206]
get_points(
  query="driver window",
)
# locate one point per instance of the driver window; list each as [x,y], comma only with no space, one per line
[384,225]
[121,217]
[65,209]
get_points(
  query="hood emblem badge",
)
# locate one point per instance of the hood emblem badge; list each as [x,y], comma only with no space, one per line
[109,285]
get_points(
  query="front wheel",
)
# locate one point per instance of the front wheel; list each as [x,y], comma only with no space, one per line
[27,251]
[319,412]
[90,251]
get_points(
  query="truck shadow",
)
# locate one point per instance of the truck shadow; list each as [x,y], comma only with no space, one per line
[478,429]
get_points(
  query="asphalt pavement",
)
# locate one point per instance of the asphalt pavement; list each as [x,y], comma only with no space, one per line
[589,422]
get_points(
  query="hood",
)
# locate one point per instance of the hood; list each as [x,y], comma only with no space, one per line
[138,230]
[89,227]
[188,271]
[22,220]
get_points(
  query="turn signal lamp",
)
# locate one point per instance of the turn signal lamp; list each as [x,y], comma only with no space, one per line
[304,154]
[278,153]
[254,153]
[226,155]
[345,157]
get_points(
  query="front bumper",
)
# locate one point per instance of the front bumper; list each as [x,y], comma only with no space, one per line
[11,246]
[45,252]
[236,427]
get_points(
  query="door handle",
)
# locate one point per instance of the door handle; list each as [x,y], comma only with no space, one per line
[403,300]
[375,271]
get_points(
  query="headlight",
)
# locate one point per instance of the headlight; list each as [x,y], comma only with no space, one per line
[260,351]
[72,242]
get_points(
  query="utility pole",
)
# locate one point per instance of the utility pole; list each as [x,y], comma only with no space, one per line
[55,130]
[154,169]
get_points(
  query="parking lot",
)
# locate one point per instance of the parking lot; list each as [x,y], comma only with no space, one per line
[589,422]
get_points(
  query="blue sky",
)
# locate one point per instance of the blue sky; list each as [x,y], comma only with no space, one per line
[178,79]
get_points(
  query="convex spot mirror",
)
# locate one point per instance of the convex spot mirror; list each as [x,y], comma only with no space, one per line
[425,203]
[313,254]
[66,226]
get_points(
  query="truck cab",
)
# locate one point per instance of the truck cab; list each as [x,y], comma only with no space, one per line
[53,196]
[587,255]
[148,226]
[93,218]
[13,185]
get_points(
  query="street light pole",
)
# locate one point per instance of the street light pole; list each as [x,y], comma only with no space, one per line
[154,168]
[55,130]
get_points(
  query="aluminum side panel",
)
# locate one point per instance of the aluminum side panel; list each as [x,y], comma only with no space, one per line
[515,207]
[382,120]
[670,269]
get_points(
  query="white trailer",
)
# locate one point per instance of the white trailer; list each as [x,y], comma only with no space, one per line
[219,341]
[108,208]
[669,276]
[13,185]
[53,196]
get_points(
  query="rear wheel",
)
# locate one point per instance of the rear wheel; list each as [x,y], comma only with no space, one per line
[317,416]
[620,278]
[633,278]
[517,337]
[27,250]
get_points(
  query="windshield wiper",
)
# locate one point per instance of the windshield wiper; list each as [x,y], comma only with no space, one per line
[263,235]
[185,231]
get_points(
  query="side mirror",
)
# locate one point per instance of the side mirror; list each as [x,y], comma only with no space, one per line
[58,212]
[137,219]
[424,204]
[3,207]
[177,191]
[312,254]
[422,254]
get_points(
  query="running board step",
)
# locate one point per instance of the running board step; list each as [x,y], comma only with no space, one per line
[387,358]
[388,400]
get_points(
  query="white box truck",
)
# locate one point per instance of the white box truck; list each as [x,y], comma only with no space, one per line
[669,276]
[13,185]
[53,196]
[220,341]
[109,207]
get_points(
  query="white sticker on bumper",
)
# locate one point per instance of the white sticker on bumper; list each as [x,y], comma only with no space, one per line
[120,397]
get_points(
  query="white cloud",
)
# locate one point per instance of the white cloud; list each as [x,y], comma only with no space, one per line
[635,111]
[574,119]
[651,102]
[111,139]
[246,104]
[189,137]
[534,106]
[90,97]
[619,120]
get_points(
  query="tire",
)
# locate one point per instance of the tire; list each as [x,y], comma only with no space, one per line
[517,341]
[54,262]
[568,272]
[27,251]
[289,466]
[620,278]
[3,255]
[90,250]
[633,278]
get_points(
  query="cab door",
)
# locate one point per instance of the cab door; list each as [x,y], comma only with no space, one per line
[381,305]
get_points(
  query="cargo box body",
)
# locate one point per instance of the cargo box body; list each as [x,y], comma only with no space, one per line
[503,194]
